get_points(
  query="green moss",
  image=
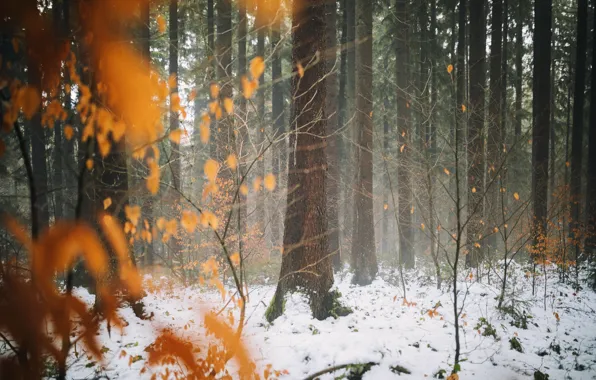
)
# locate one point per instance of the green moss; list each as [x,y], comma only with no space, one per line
[540,376]
[336,309]
[276,308]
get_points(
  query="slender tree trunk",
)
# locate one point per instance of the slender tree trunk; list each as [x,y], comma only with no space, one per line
[578,129]
[519,56]
[591,189]
[242,116]
[213,69]
[350,133]
[494,142]
[174,121]
[306,261]
[342,117]
[278,116]
[364,258]
[58,159]
[476,132]
[541,119]
[332,139]
[404,133]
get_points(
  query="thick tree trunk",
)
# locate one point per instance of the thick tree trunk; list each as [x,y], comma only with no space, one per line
[363,257]
[306,262]
[349,134]
[475,132]
[404,136]
[332,137]
[541,117]
[578,127]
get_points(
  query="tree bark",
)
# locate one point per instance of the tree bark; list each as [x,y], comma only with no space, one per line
[404,136]
[475,132]
[591,189]
[578,126]
[541,118]
[332,135]
[306,261]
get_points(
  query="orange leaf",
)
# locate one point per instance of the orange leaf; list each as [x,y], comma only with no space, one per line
[189,221]
[176,135]
[133,213]
[450,68]
[516,196]
[300,69]
[269,182]
[214,91]
[29,100]
[107,203]
[161,24]
[89,164]
[211,168]
[232,161]
[228,106]
[257,67]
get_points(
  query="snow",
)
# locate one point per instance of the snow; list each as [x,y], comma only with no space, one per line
[381,329]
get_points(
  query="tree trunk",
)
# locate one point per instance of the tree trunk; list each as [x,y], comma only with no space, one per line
[242,145]
[475,132]
[40,216]
[541,118]
[174,121]
[363,257]
[350,151]
[261,28]
[58,152]
[305,260]
[495,126]
[591,189]
[332,139]
[213,71]
[278,116]
[578,127]
[404,131]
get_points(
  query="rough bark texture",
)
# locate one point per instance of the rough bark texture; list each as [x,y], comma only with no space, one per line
[404,192]
[279,120]
[541,115]
[591,189]
[332,139]
[475,145]
[364,257]
[494,130]
[578,123]
[350,16]
[261,28]
[241,117]
[306,262]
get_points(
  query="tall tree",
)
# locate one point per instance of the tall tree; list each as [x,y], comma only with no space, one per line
[174,121]
[58,149]
[332,136]
[591,189]
[261,25]
[477,37]
[541,116]
[350,95]
[578,124]
[305,260]
[278,116]
[495,126]
[242,116]
[363,257]
[404,133]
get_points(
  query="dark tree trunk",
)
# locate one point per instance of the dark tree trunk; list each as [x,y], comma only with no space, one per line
[475,131]
[434,49]
[461,65]
[40,216]
[404,131]
[332,139]
[591,189]
[58,152]
[213,70]
[363,257]
[578,125]
[519,56]
[495,126]
[349,135]
[541,116]
[261,25]
[278,116]
[306,261]
[342,117]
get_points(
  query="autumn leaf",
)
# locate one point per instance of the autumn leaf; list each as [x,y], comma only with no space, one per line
[248,86]
[300,69]
[29,101]
[161,24]
[214,90]
[450,68]
[244,189]
[176,135]
[516,196]
[89,164]
[256,185]
[133,213]
[446,171]
[232,161]
[204,133]
[235,258]
[228,106]
[257,67]
[473,190]
[107,203]
[385,206]
[210,169]
[189,221]
[557,316]
[463,108]
[269,182]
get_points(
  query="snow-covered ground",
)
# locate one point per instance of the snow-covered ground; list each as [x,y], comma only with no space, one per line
[382,329]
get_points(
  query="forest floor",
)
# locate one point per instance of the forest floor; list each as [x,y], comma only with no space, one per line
[560,338]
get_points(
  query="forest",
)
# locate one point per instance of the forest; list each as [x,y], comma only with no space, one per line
[298,189]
